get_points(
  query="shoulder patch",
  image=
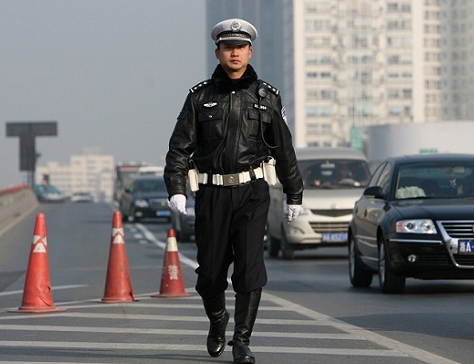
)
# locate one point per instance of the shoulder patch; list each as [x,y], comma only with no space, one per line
[270,87]
[199,86]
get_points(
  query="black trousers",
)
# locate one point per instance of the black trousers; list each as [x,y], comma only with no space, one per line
[229,228]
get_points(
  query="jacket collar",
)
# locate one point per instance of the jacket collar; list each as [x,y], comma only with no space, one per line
[222,80]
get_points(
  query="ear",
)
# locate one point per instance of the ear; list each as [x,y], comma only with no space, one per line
[216,52]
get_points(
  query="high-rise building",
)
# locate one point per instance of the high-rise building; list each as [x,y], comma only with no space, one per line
[346,65]
[458,58]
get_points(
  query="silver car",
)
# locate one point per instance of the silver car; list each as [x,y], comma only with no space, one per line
[334,178]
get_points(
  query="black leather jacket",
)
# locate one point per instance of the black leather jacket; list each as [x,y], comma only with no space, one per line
[229,126]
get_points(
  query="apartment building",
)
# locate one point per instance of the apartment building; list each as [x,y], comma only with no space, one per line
[90,171]
[346,65]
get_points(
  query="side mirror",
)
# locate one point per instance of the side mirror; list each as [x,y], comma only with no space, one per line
[374,191]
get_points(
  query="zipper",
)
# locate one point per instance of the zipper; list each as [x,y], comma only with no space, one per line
[232,136]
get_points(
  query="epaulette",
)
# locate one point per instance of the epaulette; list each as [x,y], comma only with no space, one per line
[269,87]
[199,86]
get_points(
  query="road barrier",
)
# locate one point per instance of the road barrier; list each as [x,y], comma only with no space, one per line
[15,203]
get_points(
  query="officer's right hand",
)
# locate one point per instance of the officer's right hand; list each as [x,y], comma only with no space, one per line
[292,212]
[177,203]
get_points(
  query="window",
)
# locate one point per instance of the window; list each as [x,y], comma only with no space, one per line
[316,111]
[326,128]
[313,129]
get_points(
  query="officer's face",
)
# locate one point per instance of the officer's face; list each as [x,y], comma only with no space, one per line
[234,58]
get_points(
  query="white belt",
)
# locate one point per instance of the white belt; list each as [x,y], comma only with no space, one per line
[233,179]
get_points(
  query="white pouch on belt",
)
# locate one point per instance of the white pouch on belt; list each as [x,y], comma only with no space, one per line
[269,172]
[193,176]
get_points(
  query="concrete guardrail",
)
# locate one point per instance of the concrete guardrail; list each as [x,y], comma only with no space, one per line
[15,203]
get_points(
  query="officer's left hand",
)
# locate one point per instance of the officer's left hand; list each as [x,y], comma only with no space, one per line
[292,212]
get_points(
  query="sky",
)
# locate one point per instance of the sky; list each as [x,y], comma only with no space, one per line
[113,74]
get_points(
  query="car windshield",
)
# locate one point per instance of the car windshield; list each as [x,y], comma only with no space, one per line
[435,180]
[149,185]
[334,173]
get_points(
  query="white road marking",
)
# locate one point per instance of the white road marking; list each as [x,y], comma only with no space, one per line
[201,318]
[56,288]
[188,347]
[178,332]
[149,235]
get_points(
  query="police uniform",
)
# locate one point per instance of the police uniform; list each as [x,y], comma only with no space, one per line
[229,128]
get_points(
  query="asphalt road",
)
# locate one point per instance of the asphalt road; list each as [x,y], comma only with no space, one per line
[309,312]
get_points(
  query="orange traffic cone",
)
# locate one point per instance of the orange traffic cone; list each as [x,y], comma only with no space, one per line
[171,279]
[118,287]
[37,297]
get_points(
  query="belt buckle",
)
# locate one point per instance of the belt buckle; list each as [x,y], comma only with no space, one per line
[231,179]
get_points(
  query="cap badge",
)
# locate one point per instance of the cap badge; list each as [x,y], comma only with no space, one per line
[235,26]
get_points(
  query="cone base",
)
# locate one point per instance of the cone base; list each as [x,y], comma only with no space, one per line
[171,295]
[117,300]
[29,309]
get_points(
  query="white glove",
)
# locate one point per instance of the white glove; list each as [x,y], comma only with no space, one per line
[177,203]
[292,212]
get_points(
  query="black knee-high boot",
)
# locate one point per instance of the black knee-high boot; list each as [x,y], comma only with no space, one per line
[218,317]
[246,307]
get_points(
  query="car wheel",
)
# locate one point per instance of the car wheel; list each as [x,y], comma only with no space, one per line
[273,246]
[132,217]
[124,217]
[358,274]
[389,281]
[182,237]
[287,250]
[177,234]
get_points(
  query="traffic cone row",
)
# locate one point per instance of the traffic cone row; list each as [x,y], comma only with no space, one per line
[37,296]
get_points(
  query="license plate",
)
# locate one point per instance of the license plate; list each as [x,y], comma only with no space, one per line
[334,237]
[163,213]
[466,246]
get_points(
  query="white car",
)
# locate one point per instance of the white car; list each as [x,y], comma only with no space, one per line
[82,197]
[334,178]
[150,171]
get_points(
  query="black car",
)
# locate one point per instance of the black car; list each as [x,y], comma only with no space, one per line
[145,197]
[414,219]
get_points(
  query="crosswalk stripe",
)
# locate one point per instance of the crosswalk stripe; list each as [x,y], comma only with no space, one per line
[187,306]
[187,347]
[144,331]
[129,317]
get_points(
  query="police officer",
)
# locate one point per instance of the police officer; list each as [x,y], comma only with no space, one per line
[229,126]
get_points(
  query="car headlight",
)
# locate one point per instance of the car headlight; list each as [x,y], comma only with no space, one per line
[414,226]
[141,203]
